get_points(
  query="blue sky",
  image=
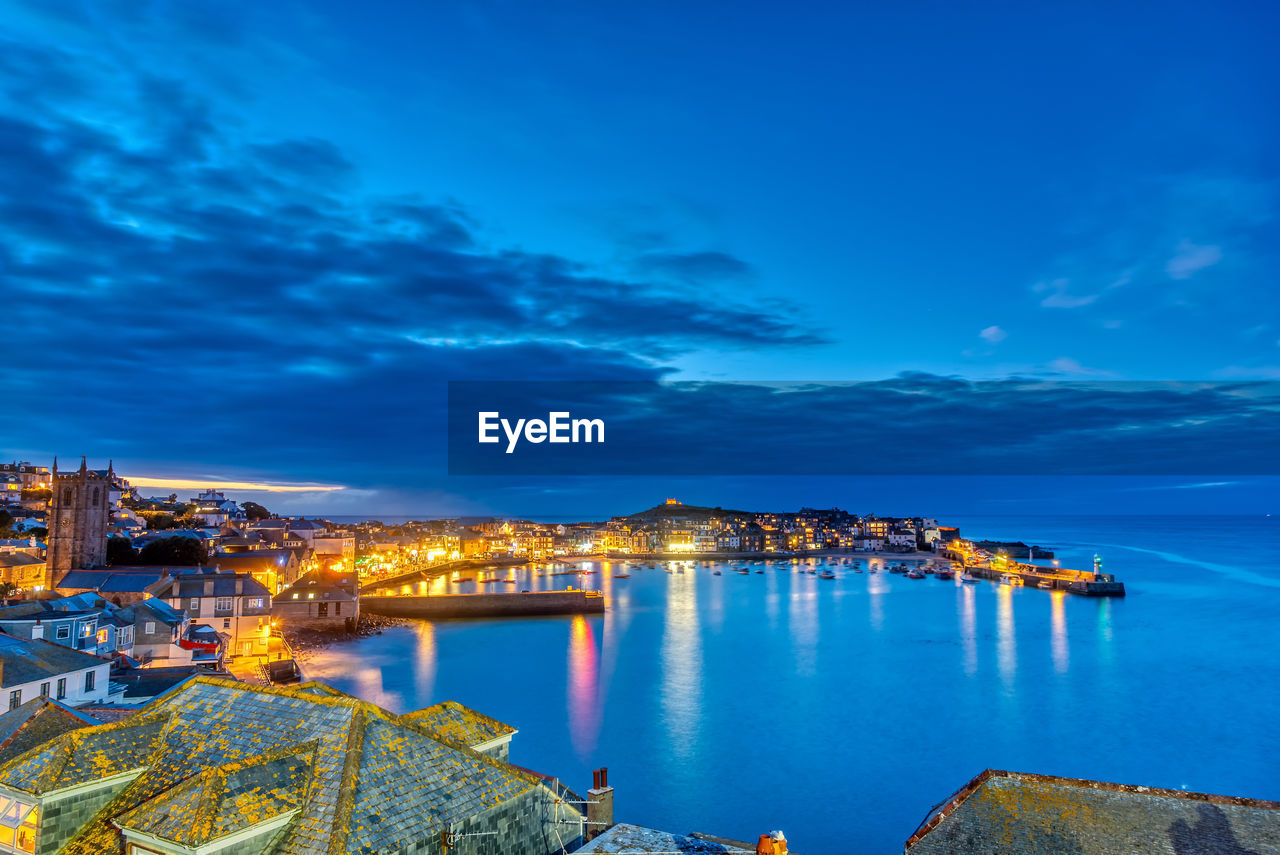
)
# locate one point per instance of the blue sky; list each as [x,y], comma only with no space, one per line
[249,230]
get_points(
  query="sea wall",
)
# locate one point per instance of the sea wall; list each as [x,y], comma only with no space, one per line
[485,605]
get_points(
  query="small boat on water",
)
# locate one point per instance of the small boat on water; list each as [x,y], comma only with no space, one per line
[857,570]
[715,573]
[622,575]
[946,575]
[968,577]
[761,572]
[914,574]
[826,574]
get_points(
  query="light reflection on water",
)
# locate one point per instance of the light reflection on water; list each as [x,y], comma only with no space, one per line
[584,675]
[1006,650]
[1061,649]
[681,666]
[691,681]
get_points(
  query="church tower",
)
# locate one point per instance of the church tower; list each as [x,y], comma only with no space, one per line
[78,514]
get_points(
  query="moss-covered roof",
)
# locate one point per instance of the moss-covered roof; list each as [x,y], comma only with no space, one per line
[85,755]
[35,723]
[460,724]
[1000,812]
[226,799]
[214,750]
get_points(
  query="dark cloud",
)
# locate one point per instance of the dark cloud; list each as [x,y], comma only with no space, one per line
[693,266]
[202,297]
[917,424]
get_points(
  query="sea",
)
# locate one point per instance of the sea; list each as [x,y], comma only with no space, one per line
[841,710]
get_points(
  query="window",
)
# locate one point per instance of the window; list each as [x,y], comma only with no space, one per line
[86,629]
[226,623]
[337,608]
[255,602]
[324,610]
[223,604]
[195,604]
[102,635]
[149,627]
[18,825]
[15,699]
[62,687]
[44,690]
[63,632]
[89,677]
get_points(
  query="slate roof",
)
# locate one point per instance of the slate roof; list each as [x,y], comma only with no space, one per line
[224,585]
[18,559]
[27,661]
[636,838]
[217,753]
[1000,812]
[460,724]
[120,579]
[222,801]
[35,723]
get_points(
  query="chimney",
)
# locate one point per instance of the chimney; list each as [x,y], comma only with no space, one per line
[599,805]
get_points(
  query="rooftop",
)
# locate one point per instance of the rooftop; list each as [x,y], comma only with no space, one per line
[215,756]
[460,724]
[23,661]
[1000,812]
[623,838]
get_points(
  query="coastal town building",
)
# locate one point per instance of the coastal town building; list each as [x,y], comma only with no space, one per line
[24,571]
[274,569]
[234,605]
[218,766]
[319,600]
[41,669]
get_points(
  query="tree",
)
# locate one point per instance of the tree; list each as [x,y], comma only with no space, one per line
[254,511]
[157,520]
[6,520]
[173,551]
[120,551]
[7,590]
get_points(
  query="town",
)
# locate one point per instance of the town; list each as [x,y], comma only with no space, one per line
[154,705]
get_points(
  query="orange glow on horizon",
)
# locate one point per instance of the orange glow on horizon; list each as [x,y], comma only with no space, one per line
[253,486]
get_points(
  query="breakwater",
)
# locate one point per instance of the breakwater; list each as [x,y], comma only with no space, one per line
[523,604]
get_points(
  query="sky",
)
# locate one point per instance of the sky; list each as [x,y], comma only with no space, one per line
[250,243]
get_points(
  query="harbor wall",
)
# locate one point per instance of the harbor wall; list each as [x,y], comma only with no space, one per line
[486,605]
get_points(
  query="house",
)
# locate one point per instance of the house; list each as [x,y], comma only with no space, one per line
[214,764]
[319,601]
[273,568]
[335,550]
[23,570]
[77,628]
[999,812]
[157,629]
[123,584]
[41,669]
[235,605]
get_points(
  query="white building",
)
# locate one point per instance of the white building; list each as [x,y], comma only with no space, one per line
[39,668]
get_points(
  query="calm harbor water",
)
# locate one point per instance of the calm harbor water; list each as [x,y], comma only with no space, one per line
[841,710]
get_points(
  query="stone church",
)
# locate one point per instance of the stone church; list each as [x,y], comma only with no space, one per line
[77,521]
